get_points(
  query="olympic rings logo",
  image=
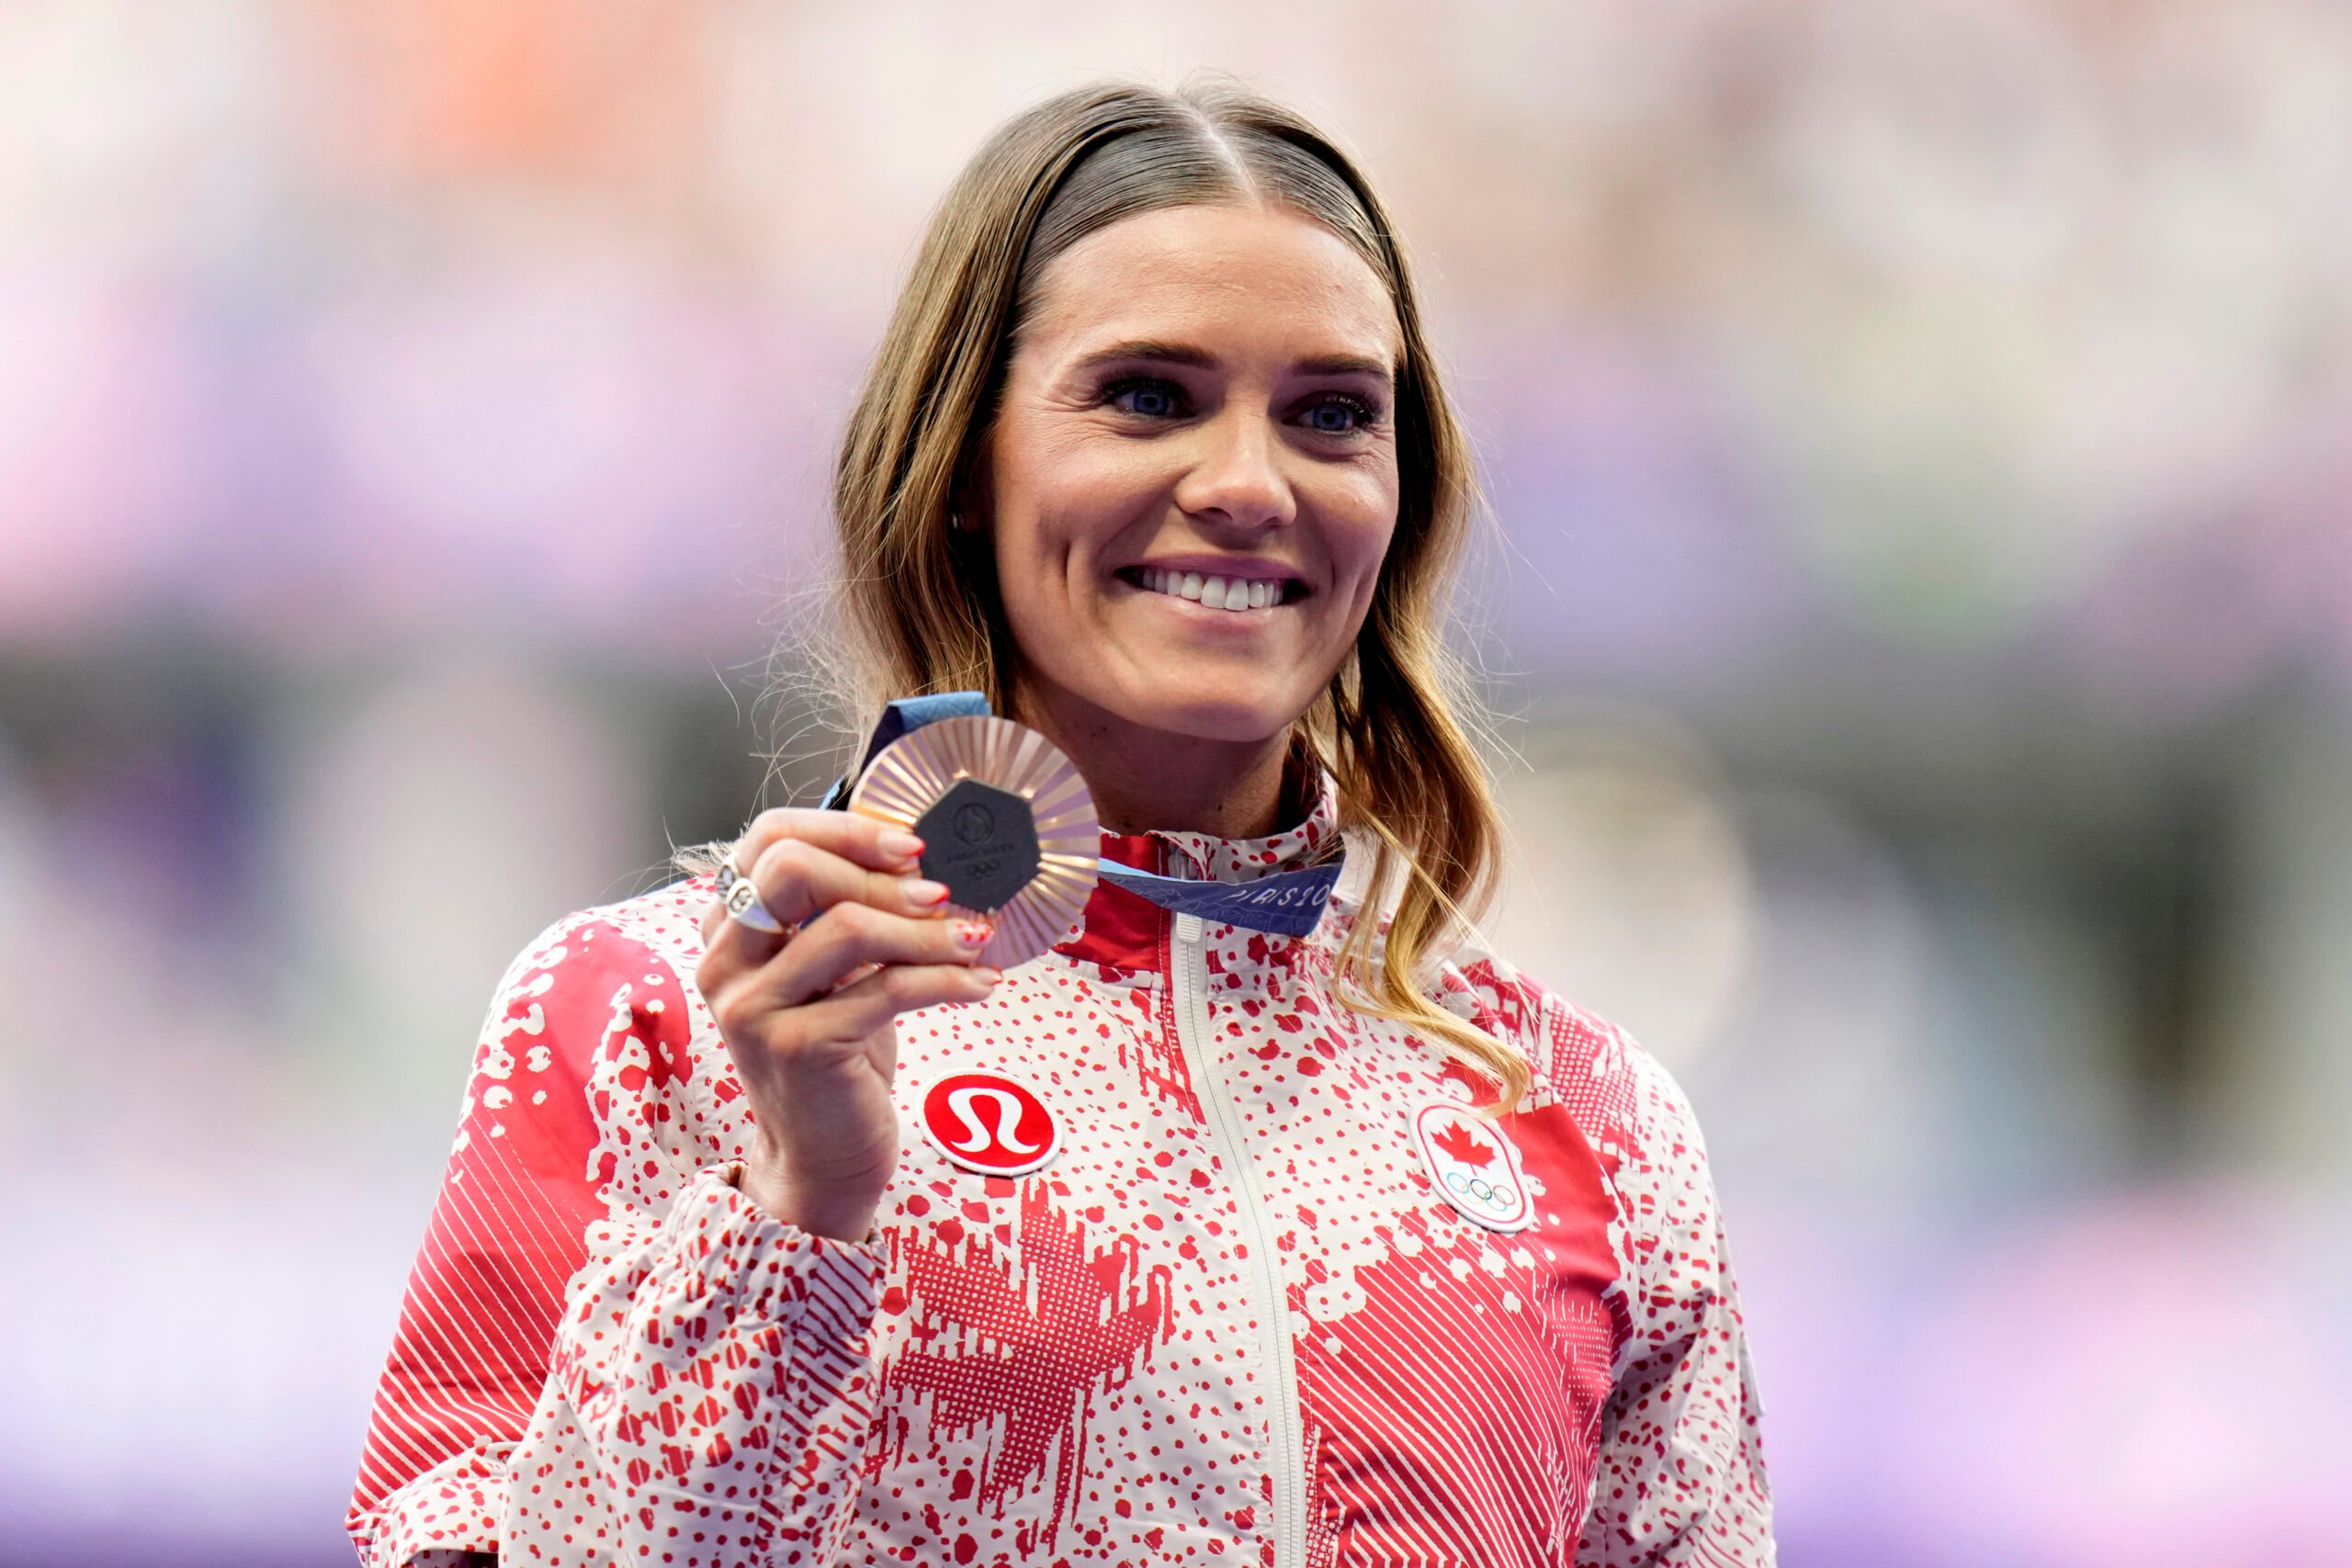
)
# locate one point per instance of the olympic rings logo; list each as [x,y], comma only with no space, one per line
[1481,1190]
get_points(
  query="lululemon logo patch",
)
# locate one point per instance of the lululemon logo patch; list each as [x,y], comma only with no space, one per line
[990,1124]
[1474,1165]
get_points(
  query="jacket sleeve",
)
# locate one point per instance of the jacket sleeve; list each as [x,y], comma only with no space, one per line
[1680,1479]
[604,1346]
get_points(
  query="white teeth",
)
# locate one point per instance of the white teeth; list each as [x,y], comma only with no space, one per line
[1215,592]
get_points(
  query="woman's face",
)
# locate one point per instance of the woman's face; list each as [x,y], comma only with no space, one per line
[1192,479]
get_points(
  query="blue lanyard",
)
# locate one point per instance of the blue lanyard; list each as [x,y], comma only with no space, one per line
[1287,903]
[1283,903]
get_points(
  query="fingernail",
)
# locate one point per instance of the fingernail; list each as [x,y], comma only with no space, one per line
[903,845]
[975,933]
[990,976]
[921,891]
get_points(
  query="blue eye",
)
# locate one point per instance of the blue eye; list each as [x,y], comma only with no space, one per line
[1361,412]
[1155,399]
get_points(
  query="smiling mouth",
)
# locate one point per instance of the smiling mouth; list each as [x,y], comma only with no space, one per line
[1215,592]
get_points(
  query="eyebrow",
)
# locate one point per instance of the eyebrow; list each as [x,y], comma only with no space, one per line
[1201,359]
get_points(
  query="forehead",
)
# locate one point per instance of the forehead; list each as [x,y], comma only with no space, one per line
[1267,275]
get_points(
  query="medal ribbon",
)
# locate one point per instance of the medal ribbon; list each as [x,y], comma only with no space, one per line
[1283,903]
[1287,903]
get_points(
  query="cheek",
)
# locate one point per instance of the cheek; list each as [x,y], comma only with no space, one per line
[1045,565]
[1359,540]
[1051,558]
[1035,606]
[1031,509]
[1041,567]
[1071,494]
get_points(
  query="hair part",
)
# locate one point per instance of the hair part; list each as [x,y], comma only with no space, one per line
[920,600]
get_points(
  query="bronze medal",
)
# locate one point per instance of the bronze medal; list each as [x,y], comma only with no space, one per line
[1007,824]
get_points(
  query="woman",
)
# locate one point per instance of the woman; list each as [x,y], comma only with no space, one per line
[1154,455]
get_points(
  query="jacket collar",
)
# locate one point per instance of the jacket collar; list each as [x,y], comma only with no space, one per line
[1211,859]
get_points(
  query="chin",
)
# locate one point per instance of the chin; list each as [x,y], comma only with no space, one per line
[1204,713]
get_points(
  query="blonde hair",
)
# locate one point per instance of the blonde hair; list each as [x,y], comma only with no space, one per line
[920,600]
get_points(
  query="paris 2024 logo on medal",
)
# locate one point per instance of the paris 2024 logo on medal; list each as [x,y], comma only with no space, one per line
[1474,1165]
[990,1123]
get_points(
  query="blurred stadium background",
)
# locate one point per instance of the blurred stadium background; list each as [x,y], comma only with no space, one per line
[1921,438]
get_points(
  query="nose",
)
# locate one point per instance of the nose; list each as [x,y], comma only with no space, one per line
[1237,477]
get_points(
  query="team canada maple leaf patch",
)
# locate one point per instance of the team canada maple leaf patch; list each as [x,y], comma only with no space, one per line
[1474,1165]
[1462,1146]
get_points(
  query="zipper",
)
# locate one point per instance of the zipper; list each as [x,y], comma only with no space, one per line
[1188,974]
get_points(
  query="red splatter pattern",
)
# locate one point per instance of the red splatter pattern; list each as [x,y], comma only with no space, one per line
[609,1355]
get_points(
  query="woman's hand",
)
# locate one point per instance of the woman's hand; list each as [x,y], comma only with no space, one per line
[808,1015]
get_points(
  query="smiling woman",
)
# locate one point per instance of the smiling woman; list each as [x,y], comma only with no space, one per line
[1130,489]
[1259,1235]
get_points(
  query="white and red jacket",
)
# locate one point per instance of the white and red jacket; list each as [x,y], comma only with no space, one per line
[1234,1321]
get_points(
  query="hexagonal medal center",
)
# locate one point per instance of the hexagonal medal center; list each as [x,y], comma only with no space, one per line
[982,841]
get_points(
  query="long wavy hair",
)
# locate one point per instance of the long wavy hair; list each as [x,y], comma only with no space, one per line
[920,600]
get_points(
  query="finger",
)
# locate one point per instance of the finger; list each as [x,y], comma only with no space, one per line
[860,840]
[856,1011]
[796,879]
[856,936]
[853,836]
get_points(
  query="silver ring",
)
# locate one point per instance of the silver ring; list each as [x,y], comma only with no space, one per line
[741,896]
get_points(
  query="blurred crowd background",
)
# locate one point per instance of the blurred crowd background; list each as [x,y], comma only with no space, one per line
[1919,609]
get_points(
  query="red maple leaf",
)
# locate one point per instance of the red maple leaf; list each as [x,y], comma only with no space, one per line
[1068,1323]
[1462,1146]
